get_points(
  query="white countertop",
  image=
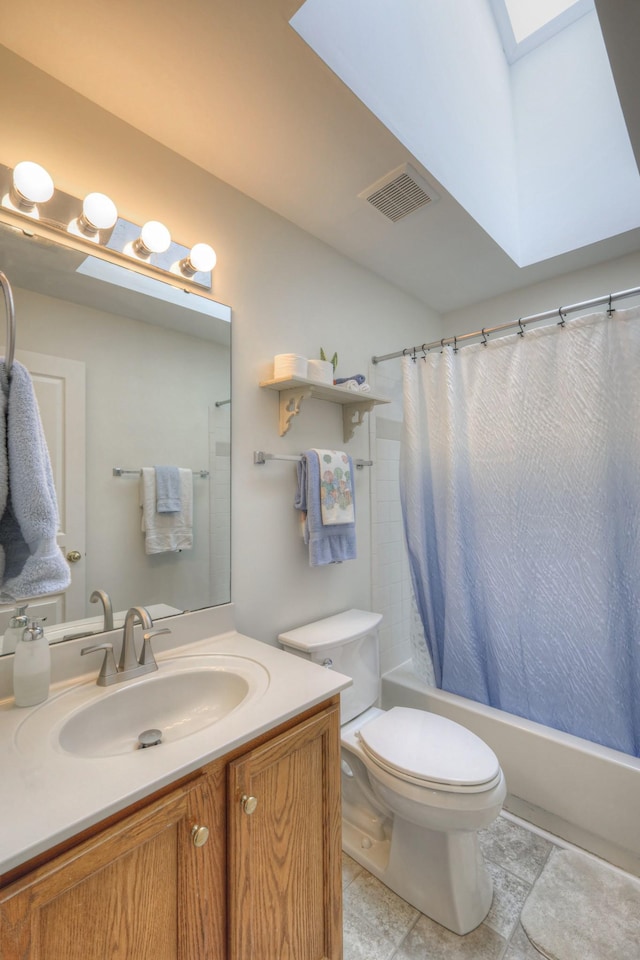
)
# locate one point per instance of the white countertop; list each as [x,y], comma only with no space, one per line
[48,795]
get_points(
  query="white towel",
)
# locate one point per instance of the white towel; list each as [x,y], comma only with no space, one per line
[166,532]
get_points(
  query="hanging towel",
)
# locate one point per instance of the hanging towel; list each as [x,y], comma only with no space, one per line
[336,487]
[327,544]
[166,532]
[168,493]
[31,562]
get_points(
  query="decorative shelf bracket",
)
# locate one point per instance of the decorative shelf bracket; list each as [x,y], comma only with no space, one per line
[353,416]
[290,403]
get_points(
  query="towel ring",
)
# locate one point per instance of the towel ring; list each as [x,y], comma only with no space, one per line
[11,322]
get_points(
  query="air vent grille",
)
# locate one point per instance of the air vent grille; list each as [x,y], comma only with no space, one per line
[399,193]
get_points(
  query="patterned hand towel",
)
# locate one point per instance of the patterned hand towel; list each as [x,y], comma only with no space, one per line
[336,487]
[31,562]
[331,543]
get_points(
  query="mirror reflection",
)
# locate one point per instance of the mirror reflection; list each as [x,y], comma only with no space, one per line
[130,373]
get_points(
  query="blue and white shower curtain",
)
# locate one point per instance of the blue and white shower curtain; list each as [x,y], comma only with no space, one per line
[520,486]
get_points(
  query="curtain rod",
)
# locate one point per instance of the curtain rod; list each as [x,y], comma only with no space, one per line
[521,323]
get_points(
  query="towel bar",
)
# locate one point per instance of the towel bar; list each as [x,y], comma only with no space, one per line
[259,457]
[125,472]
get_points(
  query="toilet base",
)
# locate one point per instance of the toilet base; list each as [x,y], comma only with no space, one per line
[441,874]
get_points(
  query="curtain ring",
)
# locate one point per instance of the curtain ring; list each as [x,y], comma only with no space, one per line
[610,310]
[413,355]
[455,344]
[424,351]
[442,345]
[563,317]
[485,338]
[521,330]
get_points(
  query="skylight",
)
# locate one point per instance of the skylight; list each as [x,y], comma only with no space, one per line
[533,146]
[525,24]
[527,17]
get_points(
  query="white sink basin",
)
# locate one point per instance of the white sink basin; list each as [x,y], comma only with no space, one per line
[184,696]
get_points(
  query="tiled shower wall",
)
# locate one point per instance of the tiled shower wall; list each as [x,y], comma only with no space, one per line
[391,583]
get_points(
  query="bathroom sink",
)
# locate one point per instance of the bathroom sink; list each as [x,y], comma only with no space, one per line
[186,695]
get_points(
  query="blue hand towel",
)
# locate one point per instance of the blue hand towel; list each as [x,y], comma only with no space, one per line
[31,562]
[168,490]
[330,543]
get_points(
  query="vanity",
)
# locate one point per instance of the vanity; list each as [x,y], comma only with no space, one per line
[221,841]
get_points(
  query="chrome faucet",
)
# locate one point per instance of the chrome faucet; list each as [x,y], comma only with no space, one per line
[130,665]
[105,599]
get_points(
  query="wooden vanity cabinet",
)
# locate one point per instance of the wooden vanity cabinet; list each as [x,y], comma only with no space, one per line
[285,824]
[265,884]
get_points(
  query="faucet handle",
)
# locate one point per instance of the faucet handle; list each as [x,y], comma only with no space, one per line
[147,657]
[108,669]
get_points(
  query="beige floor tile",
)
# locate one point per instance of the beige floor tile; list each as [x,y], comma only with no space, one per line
[427,940]
[379,907]
[514,848]
[363,940]
[509,895]
[520,947]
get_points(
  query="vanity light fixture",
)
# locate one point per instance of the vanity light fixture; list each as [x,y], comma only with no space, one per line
[30,185]
[95,221]
[154,238]
[202,259]
[98,213]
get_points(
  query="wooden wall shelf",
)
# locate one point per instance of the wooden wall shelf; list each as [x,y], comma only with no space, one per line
[293,390]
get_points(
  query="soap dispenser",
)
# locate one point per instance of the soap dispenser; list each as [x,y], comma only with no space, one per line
[14,631]
[31,667]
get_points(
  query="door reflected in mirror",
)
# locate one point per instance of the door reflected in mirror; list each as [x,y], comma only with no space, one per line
[130,372]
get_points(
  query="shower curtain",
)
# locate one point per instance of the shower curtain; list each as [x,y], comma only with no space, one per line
[520,489]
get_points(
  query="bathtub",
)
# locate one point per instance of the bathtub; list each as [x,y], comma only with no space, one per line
[584,793]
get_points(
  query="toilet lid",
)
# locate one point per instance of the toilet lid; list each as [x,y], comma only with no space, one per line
[425,746]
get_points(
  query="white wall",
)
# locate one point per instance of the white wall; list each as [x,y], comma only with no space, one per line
[289,293]
[609,277]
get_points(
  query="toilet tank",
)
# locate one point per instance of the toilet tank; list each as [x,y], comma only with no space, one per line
[346,642]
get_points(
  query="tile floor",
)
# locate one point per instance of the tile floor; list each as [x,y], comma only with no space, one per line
[378,925]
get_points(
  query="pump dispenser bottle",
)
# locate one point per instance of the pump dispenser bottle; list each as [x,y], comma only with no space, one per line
[14,631]
[31,667]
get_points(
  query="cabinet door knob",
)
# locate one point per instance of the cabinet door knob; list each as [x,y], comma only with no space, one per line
[248,804]
[199,835]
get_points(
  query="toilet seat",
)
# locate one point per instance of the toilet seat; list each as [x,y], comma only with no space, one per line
[430,751]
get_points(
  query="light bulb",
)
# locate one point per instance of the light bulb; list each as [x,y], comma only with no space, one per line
[99,211]
[154,238]
[202,259]
[31,184]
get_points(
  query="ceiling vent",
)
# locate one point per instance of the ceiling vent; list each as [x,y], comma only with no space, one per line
[399,193]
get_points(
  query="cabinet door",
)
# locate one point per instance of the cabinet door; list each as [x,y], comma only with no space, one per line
[140,889]
[284,858]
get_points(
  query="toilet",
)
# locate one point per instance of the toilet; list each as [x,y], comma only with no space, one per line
[416,787]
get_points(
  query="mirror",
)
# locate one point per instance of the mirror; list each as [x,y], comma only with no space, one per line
[129,372]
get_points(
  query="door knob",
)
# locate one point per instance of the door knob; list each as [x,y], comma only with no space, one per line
[73,556]
[199,835]
[248,804]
